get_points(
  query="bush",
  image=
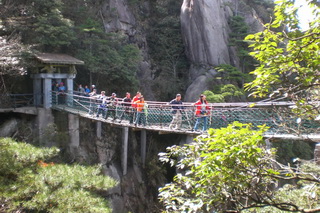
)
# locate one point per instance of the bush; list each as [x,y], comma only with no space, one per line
[28,182]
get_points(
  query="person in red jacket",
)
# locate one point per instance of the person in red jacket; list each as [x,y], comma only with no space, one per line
[202,111]
[134,105]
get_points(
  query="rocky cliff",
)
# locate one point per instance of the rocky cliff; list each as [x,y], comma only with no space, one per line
[100,143]
[204,30]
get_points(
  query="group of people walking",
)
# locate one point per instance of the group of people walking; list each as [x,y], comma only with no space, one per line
[202,112]
[136,109]
[106,106]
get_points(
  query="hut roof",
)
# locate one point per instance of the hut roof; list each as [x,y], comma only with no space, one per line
[53,58]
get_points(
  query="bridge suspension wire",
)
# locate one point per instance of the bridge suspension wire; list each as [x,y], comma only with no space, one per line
[158,115]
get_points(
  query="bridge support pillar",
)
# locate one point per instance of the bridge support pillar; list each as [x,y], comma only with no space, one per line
[37,92]
[125,136]
[317,154]
[44,120]
[73,123]
[70,91]
[99,129]
[44,81]
[46,93]
[143,146]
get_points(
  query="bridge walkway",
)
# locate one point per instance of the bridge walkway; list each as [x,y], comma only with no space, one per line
[276,115]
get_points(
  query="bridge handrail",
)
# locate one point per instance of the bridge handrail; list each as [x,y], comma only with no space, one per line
[191,104]
[16,100]
[160,114]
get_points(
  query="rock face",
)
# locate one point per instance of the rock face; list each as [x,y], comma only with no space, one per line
[101,143]
[118,17]
[205,31]
[8,127]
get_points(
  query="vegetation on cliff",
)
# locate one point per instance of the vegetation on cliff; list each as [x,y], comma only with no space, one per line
[231,169]
[29,181]
[72,28]
[289,60]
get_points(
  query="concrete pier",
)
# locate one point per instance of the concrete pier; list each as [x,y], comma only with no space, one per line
[73,123]
[99,130]
[44,120]
[143,146]
[125,137]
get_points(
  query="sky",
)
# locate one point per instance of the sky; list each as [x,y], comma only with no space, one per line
[304,13]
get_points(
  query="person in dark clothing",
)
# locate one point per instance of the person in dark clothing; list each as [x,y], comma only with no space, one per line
[81,90]
[61,94]
[112,105]
[102,105]
[177,107]
[126,103]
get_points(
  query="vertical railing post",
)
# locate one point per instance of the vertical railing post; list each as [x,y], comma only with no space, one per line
[161,116]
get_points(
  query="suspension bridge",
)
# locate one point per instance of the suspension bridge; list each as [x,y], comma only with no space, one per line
[277,116]
[282,123]
[158,115]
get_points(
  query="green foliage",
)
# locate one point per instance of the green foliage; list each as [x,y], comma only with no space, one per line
[28,182]
[108,58]
[231,170]
[166,47]
[289,60]
[304,194]
[213,98]
[225,93]
[231,73]
[51,30]
[217,169]
[239,30]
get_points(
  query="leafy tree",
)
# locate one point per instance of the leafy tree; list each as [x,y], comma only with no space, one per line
[289,60]
[27,182]
[107,58]
[51,31]
[225,93]
[213,98]
[230,91]
[166,46]
[239,30]
[231,170]
[231,73]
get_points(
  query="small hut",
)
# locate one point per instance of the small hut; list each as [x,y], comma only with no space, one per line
[51,69]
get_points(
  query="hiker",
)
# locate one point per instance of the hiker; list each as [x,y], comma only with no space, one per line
[177,108]
[112,102]
[202,112]
[92,99]
[141,111]
[102,106]
[126,103]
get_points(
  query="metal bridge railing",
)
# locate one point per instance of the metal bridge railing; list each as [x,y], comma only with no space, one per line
[276,116]
[17,100]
